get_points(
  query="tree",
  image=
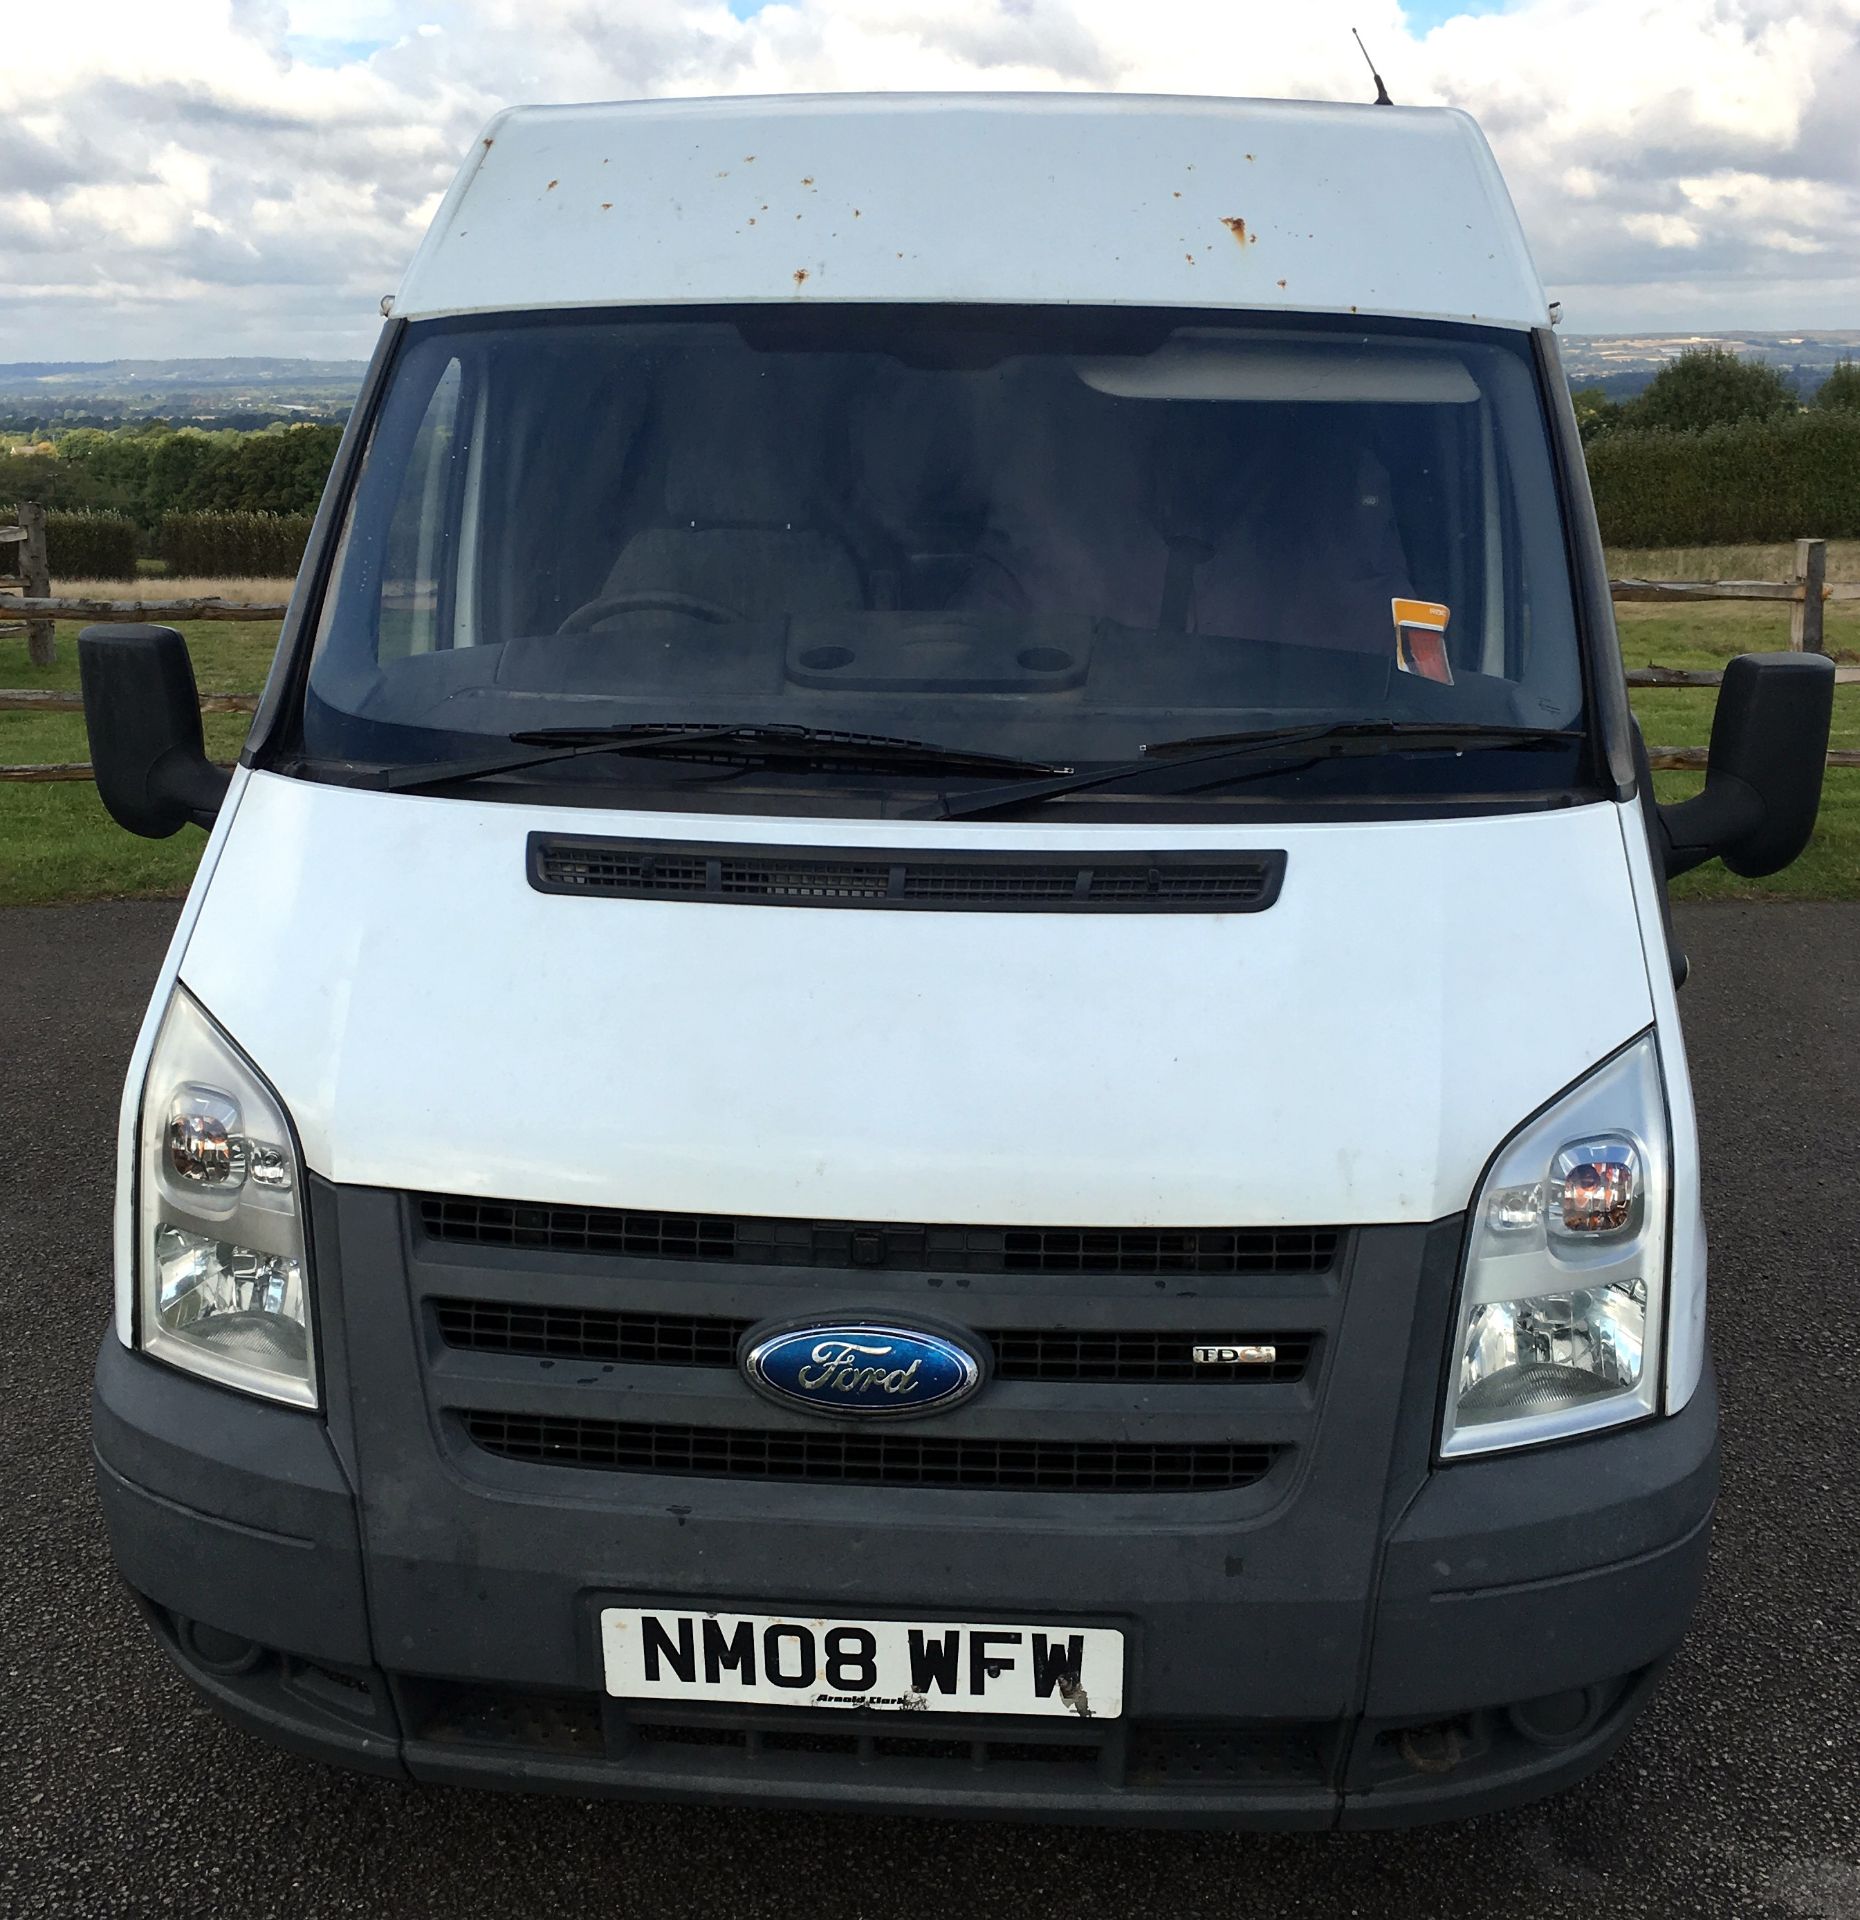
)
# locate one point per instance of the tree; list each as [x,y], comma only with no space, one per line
[1841,388]
[114,465]
[1596,413]
[49,481]
[1711,387]
[176,461]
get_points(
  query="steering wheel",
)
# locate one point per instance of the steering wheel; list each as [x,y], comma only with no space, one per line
[651,601]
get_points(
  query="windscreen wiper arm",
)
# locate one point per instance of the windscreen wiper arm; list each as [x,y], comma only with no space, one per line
[740,744]
[1207,760]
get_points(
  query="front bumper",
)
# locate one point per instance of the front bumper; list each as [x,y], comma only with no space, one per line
[1510,1620]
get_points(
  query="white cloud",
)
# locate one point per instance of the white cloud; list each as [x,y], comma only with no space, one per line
[1662,229]
[226,175]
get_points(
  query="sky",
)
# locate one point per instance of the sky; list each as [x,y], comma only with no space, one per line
[251,176]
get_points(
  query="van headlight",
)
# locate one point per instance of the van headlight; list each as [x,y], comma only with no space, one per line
[1561,1303]
[222,1279]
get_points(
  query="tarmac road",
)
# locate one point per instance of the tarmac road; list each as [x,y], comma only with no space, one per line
[1738,1794]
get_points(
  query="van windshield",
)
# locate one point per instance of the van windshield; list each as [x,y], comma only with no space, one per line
[1056,537]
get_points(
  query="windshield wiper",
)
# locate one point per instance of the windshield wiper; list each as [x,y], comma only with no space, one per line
[1215,759]
[739,744]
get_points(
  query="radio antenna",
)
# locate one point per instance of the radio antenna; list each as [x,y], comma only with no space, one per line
[1382,92]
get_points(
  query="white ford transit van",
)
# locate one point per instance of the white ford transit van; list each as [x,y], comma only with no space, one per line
[928,1057]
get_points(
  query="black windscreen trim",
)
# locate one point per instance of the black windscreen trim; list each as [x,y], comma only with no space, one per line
[939,880]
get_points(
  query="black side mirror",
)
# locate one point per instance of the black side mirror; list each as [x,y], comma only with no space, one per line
[1769,748]
[143,713]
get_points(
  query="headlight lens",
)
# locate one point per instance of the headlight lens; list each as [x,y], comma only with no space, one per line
[223,1277]
[1558,1329]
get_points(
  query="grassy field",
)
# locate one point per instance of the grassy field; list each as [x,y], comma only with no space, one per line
[56,842]
[1726,563]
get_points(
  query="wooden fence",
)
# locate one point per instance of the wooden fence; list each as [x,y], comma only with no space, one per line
[1806,593]
[24,566]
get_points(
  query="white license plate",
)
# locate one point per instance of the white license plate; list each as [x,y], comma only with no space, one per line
[902,1666]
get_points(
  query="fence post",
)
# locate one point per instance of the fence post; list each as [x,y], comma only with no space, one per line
[1806,616]
[36,574]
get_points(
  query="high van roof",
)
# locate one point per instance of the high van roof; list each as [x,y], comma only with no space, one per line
[1105,199]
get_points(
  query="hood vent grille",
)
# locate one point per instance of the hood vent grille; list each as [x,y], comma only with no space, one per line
[1009,881]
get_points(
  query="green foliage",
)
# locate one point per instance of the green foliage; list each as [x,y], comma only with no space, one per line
[150,469]
[1841,389]
[83,544]
[1777,479]
[87,545]
[48,480]
[1711,387]
[1596,413]
[233,545]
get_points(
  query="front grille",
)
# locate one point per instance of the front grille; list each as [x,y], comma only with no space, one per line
[1227,1756]
[871,1459]
[1021,1353]
[1123,1755]
[576,1333]
[749,1241]
[867,1746]
[1050,1353]
[650,1236]
[1008,881]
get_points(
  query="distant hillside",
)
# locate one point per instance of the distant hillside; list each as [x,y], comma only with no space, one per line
[251,390]
[99,377]
[244,391]
[1623,363]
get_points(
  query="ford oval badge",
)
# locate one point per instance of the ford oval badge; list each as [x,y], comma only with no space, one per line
[861,1368]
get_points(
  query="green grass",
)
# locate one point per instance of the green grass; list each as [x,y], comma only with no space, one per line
[56,842]
[1707,636]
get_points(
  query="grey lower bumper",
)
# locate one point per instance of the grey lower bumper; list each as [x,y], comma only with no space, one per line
[1520,1611]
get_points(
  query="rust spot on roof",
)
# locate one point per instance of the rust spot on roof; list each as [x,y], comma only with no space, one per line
[487,143]
[855,213]
[1249,156]
[807,179]
[607,206]
[1177,194]
[1237,227]
[551,187]
[752,219]
[1281,283]
[747,158]
[800,276]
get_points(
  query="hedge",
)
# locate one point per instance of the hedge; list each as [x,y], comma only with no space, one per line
[232,545]
[84,545]
[1758,480]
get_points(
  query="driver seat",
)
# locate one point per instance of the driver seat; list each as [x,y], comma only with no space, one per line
[745,494]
